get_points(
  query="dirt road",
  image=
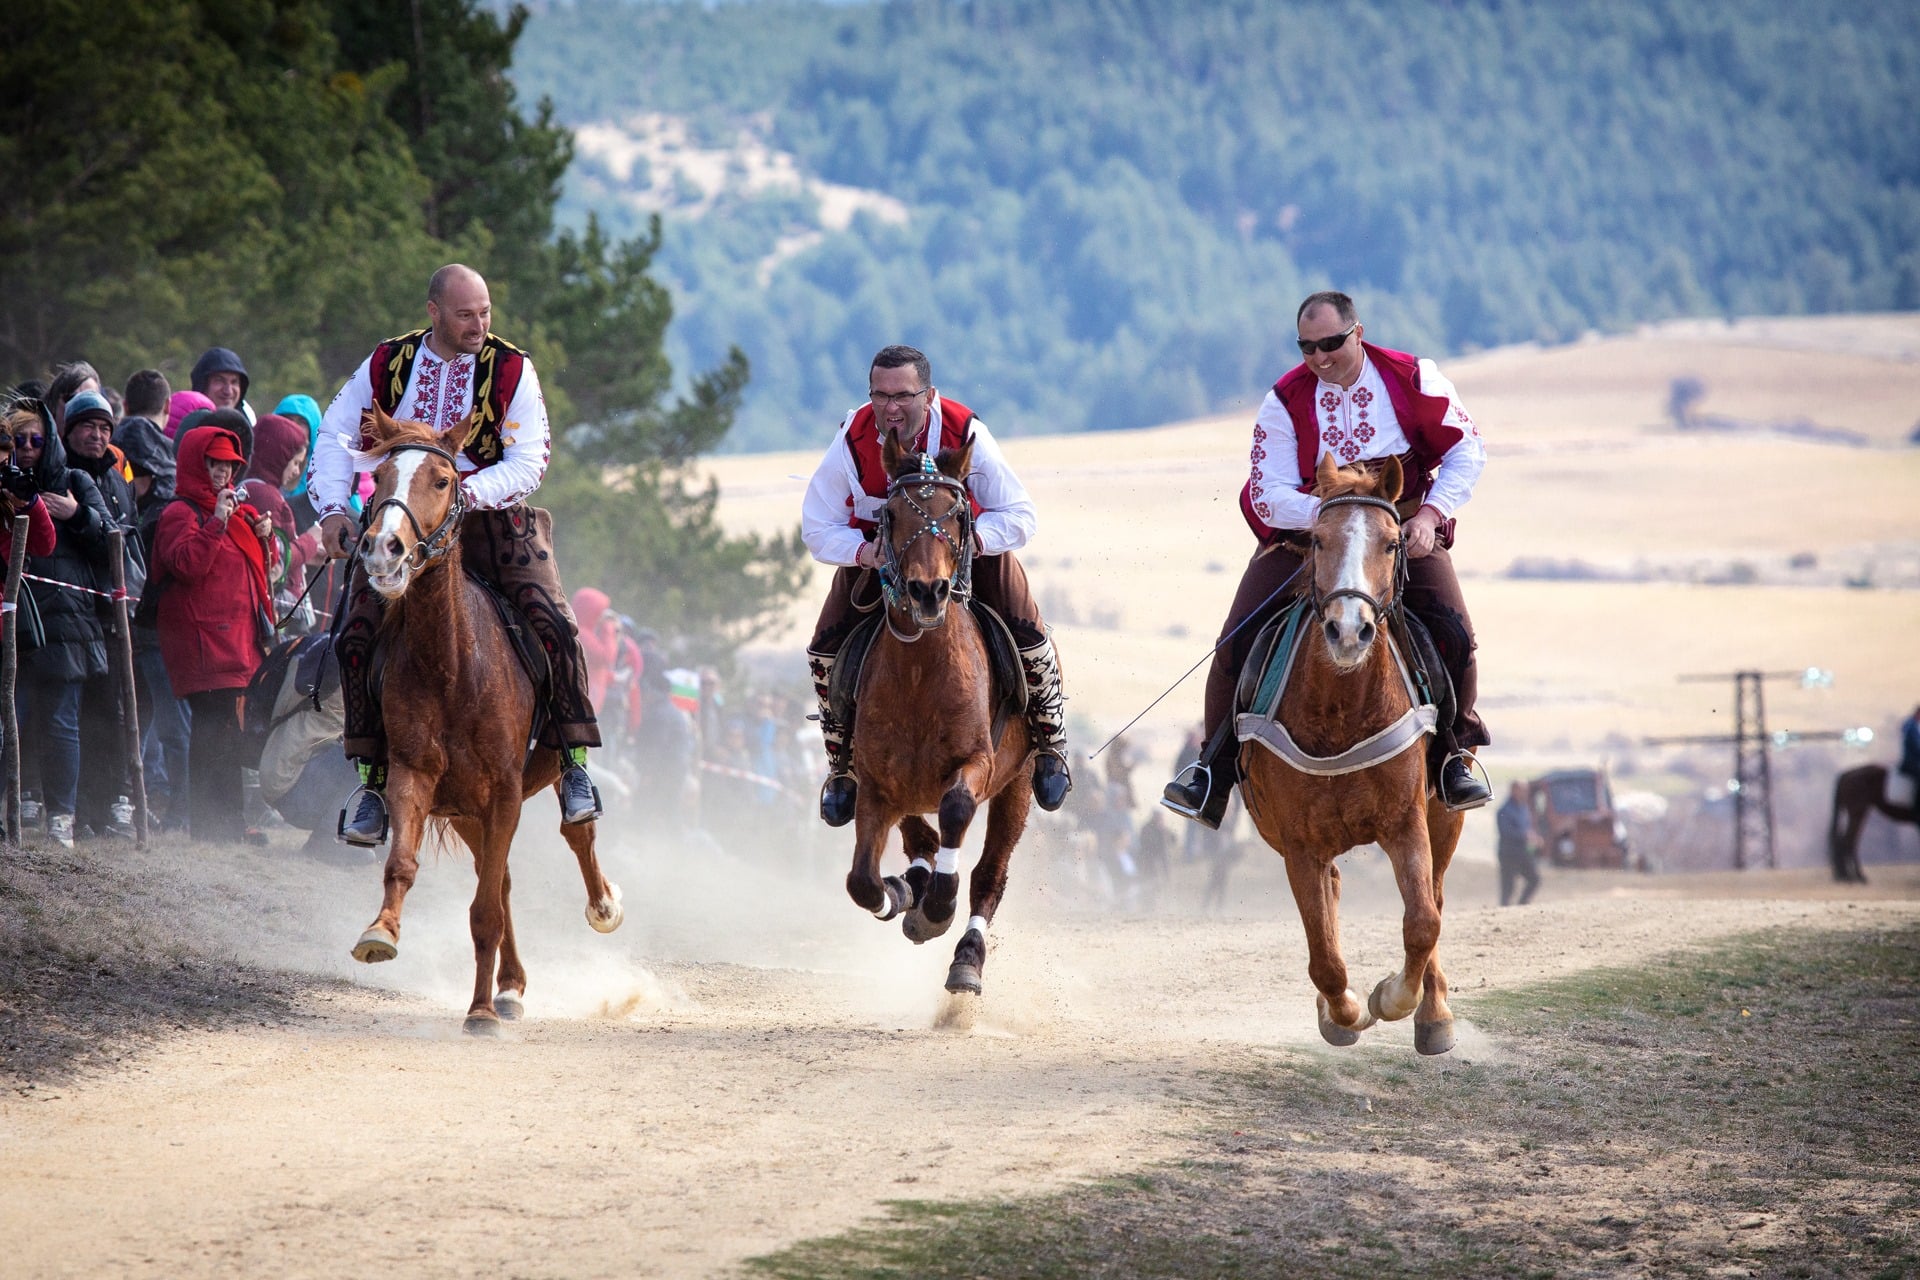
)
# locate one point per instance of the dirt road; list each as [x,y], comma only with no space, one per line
[748,1062]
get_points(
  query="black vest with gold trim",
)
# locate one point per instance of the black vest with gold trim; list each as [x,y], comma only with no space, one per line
[497,371]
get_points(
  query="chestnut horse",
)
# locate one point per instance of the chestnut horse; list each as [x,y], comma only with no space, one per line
[923,741]
[1856,793]
[1345,691]
[459,711]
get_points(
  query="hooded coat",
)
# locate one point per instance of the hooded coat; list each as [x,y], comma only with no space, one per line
[61,630]
[218,360]
[179,406]
[149,452]
[214,607]
[123,512]
[277,441]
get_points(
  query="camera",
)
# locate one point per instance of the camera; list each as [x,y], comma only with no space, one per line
[18,482]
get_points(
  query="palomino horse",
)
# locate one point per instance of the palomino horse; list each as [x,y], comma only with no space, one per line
[1856,793]
[1345,691]
[459,711]
[923,742]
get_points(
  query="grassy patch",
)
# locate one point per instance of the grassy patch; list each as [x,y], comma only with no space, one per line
[1749,1109]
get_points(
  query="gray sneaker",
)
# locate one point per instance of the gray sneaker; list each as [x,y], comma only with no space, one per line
[60,829]
[32,812]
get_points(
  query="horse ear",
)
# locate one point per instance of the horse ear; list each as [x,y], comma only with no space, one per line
[376,428]
[957,463]
[890,453]
[1326,475]
[1392,480]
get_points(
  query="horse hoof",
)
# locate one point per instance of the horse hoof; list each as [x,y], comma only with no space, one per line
[509,1006]
[485,1023]
[1332,1032]
[1377,1007]
[605,915]
[1433,1037]
[964,977]
[375,945]
[919,928]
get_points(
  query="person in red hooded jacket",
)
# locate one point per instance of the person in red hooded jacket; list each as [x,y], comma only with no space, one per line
[614,663]
[215,614]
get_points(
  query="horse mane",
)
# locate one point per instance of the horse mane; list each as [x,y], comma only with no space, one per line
[1342,482]
[952,463]
[381,435]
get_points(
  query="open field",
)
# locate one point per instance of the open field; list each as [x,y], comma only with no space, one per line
[1141,542]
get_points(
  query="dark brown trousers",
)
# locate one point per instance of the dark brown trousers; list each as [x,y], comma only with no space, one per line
[1433,595]
[513,549]
[998,581]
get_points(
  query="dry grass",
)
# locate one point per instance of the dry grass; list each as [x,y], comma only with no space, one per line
[1750,1110]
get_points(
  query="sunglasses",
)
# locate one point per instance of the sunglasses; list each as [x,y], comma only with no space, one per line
[31,441]
[1327,346]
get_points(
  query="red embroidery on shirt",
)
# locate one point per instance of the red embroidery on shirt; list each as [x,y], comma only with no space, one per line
[1363,397]
[1329,400]
[426,393]
[459,393]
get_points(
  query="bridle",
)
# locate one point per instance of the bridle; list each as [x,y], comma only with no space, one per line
[917,487]
[428,547]
[1380,607]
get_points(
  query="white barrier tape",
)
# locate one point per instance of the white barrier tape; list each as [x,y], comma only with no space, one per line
[728,771]
[947,861]
[85,591]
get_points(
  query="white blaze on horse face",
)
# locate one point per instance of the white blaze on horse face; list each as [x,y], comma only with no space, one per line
[382,562]
[1348,619]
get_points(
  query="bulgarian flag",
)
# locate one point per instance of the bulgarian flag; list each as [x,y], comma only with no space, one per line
[683,687]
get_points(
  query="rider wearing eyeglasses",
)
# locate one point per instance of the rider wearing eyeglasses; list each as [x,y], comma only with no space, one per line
[1356,403]
[838,522]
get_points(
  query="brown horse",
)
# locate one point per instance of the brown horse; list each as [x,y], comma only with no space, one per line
[923,742]
[1344,789]
[1856,793]
[459,711]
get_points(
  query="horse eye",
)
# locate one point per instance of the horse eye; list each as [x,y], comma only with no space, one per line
[441,483]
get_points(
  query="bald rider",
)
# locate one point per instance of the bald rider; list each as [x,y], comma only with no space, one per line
[456,377]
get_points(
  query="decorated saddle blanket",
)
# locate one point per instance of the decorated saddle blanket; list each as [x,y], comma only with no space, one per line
[1269,666]
[1003,660]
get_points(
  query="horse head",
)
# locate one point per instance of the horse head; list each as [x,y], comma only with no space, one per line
[926,532]
[416,504]
[1356,555]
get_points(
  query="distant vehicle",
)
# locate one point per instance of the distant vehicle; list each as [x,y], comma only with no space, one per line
[1574,812]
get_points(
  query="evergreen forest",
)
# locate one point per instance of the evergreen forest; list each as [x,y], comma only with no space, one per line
[1115,205]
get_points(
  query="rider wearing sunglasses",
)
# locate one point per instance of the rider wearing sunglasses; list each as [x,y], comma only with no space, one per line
[1358,404]
[837,520]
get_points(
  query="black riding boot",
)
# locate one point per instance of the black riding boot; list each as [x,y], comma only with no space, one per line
[1460,787]
[1202,789]
[838,793]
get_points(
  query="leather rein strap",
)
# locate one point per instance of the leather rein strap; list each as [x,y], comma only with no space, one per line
[960,539]
[428,547]
[1379,607]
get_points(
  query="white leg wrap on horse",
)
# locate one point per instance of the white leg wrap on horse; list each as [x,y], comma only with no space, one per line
[947,861]
[885,908]
[920,862]
[978,924]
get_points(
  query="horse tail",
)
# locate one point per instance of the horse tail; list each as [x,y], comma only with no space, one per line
[438,836]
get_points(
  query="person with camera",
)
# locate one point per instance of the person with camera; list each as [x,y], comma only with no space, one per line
[215,616]
[59,629]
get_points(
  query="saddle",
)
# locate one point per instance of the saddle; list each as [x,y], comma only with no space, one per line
[1263,677]
[1003,664]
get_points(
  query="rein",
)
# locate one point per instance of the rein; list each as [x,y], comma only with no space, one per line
[428,547]
[926,481]
[1380,608]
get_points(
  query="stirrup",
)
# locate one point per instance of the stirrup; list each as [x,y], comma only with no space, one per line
[1473,767]
[593,809]
[837,803]
[1206,810]
[362,839]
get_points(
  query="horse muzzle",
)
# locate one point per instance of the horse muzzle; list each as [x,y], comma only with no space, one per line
[927,601]
[387,572]
[1350,628]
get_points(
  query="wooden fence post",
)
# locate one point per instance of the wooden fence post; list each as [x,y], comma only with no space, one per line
[9,658]
[122,653]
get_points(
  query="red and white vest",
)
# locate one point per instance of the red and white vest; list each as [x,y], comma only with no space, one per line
[863,442]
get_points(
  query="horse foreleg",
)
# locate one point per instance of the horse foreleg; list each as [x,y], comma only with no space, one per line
[1433,1020]
[864,886]
[931,896]
[487,917]
[1398,994]
[1316,892]
[510,982]
[604,911]
[408,797]
[1006,822]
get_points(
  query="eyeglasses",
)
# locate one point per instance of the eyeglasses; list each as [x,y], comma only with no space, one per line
[1327,346]
[882,400]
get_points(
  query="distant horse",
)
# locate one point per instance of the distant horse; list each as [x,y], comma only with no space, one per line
[459,710]
[923,742]
[1856,793]
[1345,704]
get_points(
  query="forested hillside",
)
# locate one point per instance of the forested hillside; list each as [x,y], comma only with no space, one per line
[1112,206]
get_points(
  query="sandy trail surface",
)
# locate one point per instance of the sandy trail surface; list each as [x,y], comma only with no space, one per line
[748,1062]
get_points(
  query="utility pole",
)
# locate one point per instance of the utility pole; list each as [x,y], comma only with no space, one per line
[1752,781]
